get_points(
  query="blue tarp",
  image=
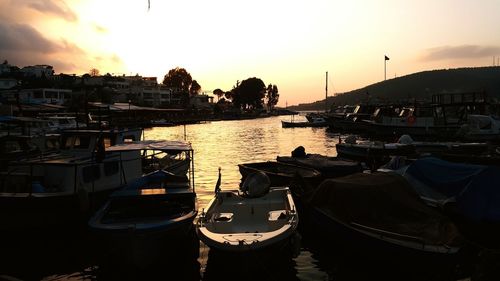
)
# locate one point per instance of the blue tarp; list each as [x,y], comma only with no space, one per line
[475,188]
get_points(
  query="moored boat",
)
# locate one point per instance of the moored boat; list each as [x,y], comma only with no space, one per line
[280,174]
[260,218]
[379,215]
[147,218]
[313,122]
[468,193]
[329,167]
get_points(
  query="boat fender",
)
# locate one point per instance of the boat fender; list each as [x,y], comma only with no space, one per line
[83,199]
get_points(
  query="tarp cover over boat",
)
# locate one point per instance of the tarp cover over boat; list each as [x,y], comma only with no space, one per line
[475,188]
[383,201]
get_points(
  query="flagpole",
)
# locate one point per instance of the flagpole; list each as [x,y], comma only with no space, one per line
[326,92]
[385,67]
[386,58]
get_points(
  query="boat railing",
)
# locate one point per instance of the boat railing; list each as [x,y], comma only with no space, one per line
[389,233]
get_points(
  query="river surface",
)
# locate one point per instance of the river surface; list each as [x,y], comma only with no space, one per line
[223,144]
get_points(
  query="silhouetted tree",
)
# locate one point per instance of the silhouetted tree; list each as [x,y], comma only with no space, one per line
[272,96]
[178,78]
[249,94]
[195,88]
[219,93]
[229,95]
[94,72]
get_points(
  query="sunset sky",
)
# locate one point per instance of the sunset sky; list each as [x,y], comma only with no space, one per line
[288,43]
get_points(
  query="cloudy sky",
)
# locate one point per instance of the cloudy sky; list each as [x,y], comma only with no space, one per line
[290,43]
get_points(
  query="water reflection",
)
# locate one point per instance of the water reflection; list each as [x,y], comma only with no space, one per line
[226,144]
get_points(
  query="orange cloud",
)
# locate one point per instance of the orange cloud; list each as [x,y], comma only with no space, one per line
[54,7]
[459,52]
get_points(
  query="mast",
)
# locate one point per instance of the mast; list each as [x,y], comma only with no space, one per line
[326,92]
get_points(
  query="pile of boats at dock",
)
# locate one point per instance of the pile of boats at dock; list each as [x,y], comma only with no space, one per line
[468,117]
[409,202]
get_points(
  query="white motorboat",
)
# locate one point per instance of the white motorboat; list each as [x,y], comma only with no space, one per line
[257,217]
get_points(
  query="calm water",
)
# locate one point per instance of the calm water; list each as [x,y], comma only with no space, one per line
[226,144]
[70,256]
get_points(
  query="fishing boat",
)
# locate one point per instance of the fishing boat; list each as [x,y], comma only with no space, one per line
[171,156]
[66,187]
[148,217]
[379,214]
[405,146]
[257,217]
[280,174]
[329,167]
[57,189]
[313,122]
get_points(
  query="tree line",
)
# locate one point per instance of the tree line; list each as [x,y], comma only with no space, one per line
[249,94]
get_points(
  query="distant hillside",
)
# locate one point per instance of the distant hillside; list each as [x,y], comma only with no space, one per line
[420,86]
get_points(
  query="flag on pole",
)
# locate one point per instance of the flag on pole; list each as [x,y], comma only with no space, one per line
[386,58]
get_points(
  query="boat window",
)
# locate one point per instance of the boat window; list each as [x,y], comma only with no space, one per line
[111,168]
[91,173]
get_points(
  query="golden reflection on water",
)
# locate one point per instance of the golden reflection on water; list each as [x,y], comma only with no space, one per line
[226,144]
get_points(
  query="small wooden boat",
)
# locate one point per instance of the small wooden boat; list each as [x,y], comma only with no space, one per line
[146,218]
[259,218]
[329,167]
[280,174]
[151,215]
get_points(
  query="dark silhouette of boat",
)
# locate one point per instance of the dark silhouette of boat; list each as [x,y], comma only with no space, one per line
[280,174]
[379,214]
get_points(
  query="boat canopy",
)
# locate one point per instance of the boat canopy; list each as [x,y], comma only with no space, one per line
[160,145]
[473,187]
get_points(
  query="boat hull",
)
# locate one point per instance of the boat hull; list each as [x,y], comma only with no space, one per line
[20,212]
[280,174]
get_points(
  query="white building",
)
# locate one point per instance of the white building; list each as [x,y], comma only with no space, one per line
[38,71]
[157,96]
[201,101]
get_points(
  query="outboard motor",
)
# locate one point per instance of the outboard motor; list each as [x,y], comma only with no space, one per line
[256,185]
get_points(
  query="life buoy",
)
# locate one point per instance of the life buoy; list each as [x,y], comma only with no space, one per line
[411,119]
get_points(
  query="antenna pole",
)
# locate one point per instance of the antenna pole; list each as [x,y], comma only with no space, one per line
[326,92]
